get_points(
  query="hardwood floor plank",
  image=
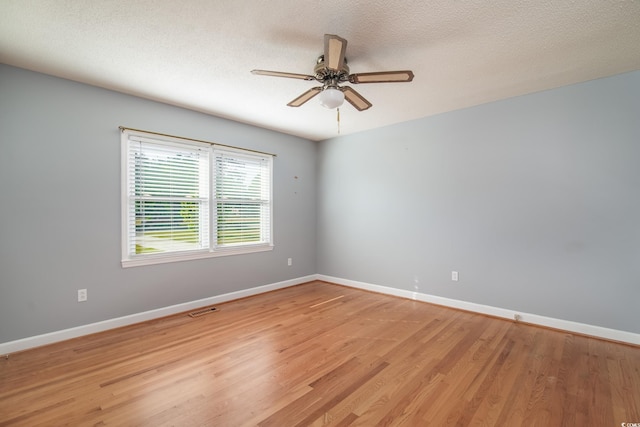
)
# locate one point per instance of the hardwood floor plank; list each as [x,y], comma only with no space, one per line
[338,396]
[324,355]
[601,408]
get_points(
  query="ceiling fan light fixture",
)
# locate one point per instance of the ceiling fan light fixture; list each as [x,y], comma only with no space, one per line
[331,98]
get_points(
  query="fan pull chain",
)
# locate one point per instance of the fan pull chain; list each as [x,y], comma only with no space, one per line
[338,119]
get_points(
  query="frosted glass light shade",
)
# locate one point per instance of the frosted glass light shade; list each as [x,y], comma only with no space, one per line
[331,98]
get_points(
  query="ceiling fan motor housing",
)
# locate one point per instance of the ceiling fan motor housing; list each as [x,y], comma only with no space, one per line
[330,78]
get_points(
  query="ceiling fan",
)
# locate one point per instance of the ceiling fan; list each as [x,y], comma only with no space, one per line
[331,70]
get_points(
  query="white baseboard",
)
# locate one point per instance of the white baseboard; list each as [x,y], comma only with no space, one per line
[534,319]
[566,325]
[52,337]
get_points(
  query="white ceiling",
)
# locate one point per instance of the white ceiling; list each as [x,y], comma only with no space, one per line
[198,53]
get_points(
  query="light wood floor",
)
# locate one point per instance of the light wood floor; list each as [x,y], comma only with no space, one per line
[321,354]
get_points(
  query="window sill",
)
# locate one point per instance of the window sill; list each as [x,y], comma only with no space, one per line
[164,258]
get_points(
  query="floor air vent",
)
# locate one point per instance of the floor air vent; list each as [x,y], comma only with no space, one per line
[202,312]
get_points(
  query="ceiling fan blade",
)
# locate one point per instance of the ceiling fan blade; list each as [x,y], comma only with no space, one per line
[334,50]
[282,74]
[355,99]
[305,96]
[382,77]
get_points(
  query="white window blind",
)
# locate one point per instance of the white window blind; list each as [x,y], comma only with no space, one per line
[243,199]
[186,200]
[168,190]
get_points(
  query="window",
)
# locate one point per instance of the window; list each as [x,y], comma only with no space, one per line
[183,199]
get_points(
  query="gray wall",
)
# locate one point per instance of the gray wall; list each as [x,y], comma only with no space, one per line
[60,207]
[535,201]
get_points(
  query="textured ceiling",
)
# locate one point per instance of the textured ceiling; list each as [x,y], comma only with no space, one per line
[198,53]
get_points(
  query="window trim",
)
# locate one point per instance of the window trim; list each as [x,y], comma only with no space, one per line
[186,255]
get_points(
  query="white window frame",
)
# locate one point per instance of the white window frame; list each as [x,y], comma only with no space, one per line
[210,247]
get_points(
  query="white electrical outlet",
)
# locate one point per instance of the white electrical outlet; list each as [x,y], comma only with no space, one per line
[289,262]
[82,295]
[454,276]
